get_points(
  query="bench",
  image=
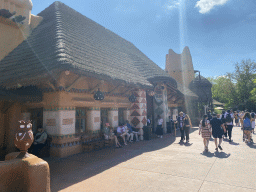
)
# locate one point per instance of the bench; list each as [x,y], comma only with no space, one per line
[95,142]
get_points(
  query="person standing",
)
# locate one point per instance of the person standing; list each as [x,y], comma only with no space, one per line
[247,126]
[229,122]
[217,131]
[253,121]
[236,118]
[187,126]
[241,119]
[180,125]
[159,129]
[205,130]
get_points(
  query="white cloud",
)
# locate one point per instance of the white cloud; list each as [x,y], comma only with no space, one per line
[170,5]
[206,6]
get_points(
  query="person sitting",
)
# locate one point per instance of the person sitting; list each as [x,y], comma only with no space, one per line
[121,132]
[108,134]
[131,132]
[39,142]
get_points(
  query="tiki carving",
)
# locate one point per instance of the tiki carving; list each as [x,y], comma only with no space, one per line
[24,138]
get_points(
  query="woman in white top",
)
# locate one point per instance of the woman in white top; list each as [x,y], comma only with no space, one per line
[159,128]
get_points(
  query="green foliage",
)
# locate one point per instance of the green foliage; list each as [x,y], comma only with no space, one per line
[237,89]
[253,92]
[217,111]
[223,90]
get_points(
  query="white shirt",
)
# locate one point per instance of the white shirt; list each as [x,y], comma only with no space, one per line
[119,130]
[160,121]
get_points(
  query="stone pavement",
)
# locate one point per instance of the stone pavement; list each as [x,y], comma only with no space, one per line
[160,165]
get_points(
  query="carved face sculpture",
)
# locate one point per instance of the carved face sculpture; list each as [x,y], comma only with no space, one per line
[24,136]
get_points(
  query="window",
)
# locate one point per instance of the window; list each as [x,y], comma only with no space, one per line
[80,120]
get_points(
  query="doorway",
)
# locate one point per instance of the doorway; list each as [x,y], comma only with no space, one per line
[104,117]
[121,119]
[37,119]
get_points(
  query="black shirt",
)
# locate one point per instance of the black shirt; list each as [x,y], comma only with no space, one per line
[216,123]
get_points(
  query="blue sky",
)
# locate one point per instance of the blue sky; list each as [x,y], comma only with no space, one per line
[218,33]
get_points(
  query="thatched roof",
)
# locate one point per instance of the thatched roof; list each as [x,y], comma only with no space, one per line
[67,40]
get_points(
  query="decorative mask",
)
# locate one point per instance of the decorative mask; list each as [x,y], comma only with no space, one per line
[24,136]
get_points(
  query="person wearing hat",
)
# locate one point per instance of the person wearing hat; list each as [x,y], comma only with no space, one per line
[108,134]
[217,130]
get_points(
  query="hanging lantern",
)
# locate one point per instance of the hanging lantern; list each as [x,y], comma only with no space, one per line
[99,96]
[132,98]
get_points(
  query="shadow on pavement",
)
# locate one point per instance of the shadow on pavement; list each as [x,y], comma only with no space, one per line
[252,145]
[234,143]
[220,155]
[76,168]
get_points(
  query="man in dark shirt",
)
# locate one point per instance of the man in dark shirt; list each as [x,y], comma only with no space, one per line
[217,130]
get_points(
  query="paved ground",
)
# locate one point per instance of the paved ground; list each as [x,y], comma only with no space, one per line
[160,165]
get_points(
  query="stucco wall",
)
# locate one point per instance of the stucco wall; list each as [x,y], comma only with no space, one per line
[12,34]
[180,66]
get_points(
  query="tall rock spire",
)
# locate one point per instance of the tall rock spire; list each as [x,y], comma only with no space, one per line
[180,66]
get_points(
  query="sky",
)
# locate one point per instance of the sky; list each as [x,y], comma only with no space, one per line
[219,33]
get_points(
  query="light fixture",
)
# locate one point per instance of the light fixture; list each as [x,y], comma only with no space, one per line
[132,98]
[99,96]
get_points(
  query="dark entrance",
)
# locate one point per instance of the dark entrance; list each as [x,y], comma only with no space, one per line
[150,110]
[104,117]
[37,118]
[121,115]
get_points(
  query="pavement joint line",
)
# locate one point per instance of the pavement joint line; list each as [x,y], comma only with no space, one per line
[230,185]
[207,174]
[161,173]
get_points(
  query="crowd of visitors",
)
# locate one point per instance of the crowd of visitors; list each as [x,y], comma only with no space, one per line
[220,126]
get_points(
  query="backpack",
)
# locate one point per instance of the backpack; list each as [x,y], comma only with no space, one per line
[228,118]
[247,123]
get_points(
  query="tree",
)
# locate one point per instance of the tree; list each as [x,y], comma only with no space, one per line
[223,90]
[237,89]
[244,76]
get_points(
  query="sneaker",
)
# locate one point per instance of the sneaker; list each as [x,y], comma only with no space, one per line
[161,136]
[230,140]
[220,147]
[216,149]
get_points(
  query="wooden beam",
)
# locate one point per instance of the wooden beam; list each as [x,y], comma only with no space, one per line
[127,91]
[172,88]
[74,83]
[93,89]
[113,89]
[51,85]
